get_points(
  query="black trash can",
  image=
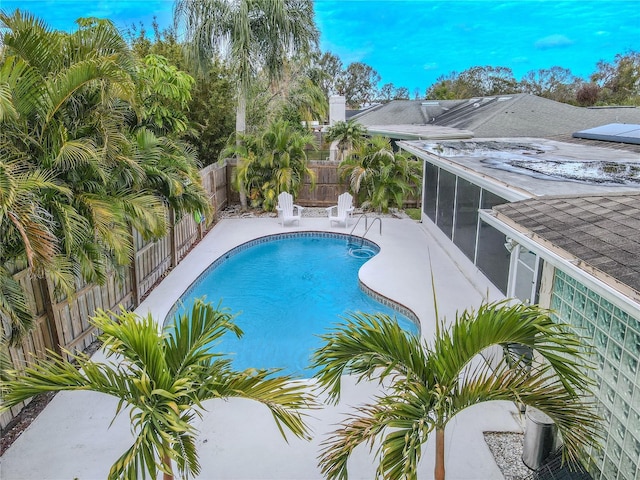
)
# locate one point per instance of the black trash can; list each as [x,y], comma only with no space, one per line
[540,438]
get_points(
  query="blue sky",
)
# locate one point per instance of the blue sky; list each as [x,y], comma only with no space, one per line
[412,42]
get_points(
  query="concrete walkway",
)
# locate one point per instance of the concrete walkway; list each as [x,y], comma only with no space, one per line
[72,438]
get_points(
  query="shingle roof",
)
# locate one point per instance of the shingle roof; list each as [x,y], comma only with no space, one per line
[519,115]
[601,231]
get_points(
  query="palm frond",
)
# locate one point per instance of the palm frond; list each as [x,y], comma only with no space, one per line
[426,386]
[367,346]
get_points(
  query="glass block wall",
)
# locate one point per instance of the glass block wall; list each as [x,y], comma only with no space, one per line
[615,336]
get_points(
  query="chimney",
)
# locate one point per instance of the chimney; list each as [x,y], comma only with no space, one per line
[337,109]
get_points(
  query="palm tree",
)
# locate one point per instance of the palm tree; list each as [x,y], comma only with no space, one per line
[164,377]
[253,35]
[350,135]
[26,236]
[431,382]
[273,162]
[379,177]
[305,101]
[70,105]
[68,115]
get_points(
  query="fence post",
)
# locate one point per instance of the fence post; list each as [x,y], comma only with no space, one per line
[172,238]
[133,271]
[52,326]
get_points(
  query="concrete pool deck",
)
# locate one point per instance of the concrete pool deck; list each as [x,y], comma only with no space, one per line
[72,437]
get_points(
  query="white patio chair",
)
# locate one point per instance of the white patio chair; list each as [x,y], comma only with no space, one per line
[288,212]
[341,213]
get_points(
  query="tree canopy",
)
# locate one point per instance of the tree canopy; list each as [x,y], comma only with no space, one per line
[88,151]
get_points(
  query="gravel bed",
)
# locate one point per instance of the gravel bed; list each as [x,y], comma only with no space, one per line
[506,448]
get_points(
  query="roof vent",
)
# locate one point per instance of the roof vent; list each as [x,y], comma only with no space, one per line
[424,104]
[504,99]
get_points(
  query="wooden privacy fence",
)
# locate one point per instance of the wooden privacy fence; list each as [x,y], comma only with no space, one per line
[328,186]
[62,324]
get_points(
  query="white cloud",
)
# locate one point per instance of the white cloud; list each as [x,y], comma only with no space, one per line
[553,41]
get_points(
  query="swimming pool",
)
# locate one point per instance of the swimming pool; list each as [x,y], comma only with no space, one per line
[287,289]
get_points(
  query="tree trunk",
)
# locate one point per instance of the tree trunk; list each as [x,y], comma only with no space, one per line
[439,470]
[241,127]
[166,461]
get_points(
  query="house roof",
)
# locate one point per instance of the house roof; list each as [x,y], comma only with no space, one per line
[418,132]
[567,138]
[534,166]
[518,115]
[599,231]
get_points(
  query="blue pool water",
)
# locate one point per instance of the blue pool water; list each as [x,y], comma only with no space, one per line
[287,291]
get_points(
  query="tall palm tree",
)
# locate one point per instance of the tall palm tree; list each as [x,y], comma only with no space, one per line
[379,177]
[252,35]
[430,382]
[350,135]
[164,377]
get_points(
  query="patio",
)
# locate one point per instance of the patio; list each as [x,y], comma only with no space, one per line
[238,439]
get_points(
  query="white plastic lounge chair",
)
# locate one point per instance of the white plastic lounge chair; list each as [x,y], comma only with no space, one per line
[341,213]
[288,212]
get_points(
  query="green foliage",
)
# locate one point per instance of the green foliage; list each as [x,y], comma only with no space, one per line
[252,37]
[165,43]
[612,83]
[379,177]
[326,72]
[304,102]
[270,163]
[211,113]
[77,169]
[166,94]
[295,98]
[164,377]
[428,383]
[619,81]
[555,83]
[414,213]
[474,82]
[359,83]
[349,134]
